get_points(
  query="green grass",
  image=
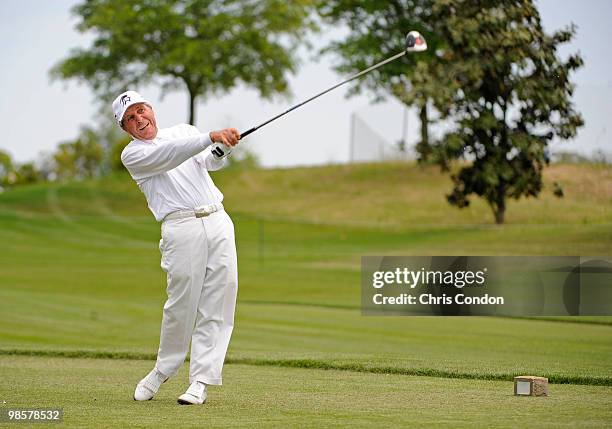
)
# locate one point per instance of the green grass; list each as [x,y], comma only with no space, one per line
[395,194]
[486,348]
[80,277]
[97,393]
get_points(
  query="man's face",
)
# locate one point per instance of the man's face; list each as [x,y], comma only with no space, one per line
[139,121]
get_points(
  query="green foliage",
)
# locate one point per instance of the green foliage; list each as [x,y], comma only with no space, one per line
[203,46]
[115,163]
[378,29]
[80,159]
[7,169]
[94,153]
[13,174]
[26,173]
[112,139]
[490,70]
[511,97]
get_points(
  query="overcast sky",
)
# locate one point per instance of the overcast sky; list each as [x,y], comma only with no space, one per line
[37,114]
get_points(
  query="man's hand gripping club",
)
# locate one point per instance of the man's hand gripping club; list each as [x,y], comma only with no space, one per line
[223,141]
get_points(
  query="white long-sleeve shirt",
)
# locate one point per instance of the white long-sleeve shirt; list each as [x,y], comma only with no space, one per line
[172,169]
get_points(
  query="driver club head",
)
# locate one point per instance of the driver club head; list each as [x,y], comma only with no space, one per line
[415,42]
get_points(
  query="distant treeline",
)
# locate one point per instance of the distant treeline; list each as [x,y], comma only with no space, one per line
[94,153]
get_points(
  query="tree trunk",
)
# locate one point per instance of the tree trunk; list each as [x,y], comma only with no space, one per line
[423,147]
[192,98]
[499,214]
[499,208]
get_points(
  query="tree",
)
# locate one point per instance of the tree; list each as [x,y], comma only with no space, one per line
[511,95]
[113,140]
[377,30]
[14,174]
[26,173]
[114,153]
[79,159]
[7,169]
[203,46]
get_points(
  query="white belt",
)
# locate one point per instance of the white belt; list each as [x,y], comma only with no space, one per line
[201,211]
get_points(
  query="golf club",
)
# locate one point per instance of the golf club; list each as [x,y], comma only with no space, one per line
[415,42]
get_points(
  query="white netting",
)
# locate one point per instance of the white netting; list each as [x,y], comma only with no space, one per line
[367,145]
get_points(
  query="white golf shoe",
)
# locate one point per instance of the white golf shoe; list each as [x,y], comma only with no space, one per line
[148,386]
[195,395]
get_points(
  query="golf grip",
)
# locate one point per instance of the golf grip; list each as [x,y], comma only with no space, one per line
[361,73]
[247,132]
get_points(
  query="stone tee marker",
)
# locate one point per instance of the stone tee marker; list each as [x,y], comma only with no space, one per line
[530,385]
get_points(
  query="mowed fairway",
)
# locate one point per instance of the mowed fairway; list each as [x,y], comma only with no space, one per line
[80,277]
[96,393]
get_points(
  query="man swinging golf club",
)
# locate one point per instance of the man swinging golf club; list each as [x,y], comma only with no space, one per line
[198,249]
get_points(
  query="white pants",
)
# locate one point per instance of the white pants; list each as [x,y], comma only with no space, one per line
[199,257]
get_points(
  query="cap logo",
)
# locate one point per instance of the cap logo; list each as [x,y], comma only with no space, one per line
[124,99]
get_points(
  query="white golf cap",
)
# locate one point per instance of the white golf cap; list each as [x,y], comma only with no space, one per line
[125,100]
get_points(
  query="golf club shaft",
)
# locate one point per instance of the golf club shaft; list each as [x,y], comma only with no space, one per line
[361,73]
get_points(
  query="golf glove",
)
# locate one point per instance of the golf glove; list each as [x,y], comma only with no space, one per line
[220,151]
